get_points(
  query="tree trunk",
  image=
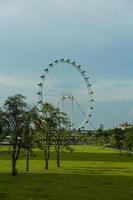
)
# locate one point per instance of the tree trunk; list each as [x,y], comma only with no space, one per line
[27,160]
[14,170]
[58,158]
[46,164]
[57,147]
[14,161]
[47,156]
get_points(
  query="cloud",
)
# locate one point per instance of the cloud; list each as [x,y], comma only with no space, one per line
[109,90]
[130,111]
[15,83]
[74,24]
[11,85]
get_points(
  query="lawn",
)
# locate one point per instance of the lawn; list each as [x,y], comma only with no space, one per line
[88,173]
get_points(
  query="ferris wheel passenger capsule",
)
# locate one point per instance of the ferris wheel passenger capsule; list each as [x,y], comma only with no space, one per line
[56,61]
[87,78]
[38,93]
[68,60]
[39,84]
[42,76]
[46,70]
[82,127]
[51,64]
[83,72]
[73,63]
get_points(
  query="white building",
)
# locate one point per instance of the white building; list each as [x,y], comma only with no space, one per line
[125,125]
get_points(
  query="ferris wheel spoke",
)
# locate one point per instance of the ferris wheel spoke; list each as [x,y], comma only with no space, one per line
[80,108]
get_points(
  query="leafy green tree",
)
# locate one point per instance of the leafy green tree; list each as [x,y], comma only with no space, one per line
[46,131]
[100,138]
[61,133]
[1,124]
[29,129]
[15,109]
[4,131]
[85,138]
[118,137]
[129,139]
[59,141]
[52,131]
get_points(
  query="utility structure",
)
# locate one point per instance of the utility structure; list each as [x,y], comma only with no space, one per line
[66,79]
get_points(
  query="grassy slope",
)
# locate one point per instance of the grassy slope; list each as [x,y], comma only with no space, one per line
[88,173]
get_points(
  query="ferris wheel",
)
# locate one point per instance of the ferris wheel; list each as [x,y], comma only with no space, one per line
[66,85]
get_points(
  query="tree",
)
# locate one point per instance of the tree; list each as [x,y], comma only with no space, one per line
[1,124]
[61,142]
[100,138]
[15,110]
[29,128]
[4,131]
[118,138]
[61,134]
[52,131]
[46,130]
[129,139]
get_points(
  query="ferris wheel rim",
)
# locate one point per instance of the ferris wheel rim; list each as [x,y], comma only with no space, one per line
[83,75]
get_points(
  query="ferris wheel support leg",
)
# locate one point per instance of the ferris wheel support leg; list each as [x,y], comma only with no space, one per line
[62,109]
[71,112]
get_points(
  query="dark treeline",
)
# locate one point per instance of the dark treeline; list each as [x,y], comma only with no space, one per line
[23,127]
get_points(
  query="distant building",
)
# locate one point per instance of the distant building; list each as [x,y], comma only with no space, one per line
[101,126]
[125,125]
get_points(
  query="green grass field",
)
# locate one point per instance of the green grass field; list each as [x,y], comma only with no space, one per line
[88,173]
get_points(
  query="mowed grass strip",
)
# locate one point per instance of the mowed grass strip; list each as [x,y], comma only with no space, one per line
[65,186]
[87,173]
[84,153]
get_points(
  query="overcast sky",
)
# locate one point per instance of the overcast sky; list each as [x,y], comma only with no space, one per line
[98,34]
